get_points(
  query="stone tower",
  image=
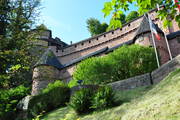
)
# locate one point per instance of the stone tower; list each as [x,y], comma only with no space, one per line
[143,37]
[45,71]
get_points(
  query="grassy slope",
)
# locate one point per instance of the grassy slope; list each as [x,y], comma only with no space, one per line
[162,102]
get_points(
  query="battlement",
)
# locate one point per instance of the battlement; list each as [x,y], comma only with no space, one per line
[107,39]
[104,37]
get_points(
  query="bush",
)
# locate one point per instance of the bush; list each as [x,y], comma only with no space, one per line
[125,62]
[9,100]
[95,70]
[55,95]
[81,100]
[103,98]
[87,100]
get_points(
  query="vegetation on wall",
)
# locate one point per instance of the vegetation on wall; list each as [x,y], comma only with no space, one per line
[125,62]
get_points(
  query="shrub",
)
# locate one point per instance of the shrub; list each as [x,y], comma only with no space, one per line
[95,70]
[87,100]
[9,100]
[130,61]
[55,95]
[103,98]
[125,62]
[81,100]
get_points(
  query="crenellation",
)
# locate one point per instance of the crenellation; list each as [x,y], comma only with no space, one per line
[107,39]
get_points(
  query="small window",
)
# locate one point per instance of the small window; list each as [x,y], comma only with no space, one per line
[62,50]
[89,41]
[104,35]
[129,25]
[112,32]
[97,38]
[82,43]
[75,46]
[56,49]
[120,29]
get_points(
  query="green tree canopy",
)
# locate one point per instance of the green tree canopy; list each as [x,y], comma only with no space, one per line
[17,19]
[116,7]
[119,21]
[95,27]
[132,15]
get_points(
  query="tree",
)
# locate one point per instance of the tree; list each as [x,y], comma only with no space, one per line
[95,27]
[119,21]
[132,15]
[116,7]
[17,18]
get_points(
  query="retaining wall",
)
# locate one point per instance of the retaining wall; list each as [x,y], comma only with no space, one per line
[148,79]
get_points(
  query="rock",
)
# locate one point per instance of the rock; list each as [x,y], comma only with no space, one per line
[23,104]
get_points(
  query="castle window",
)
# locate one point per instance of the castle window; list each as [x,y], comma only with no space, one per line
[104,35]
[82,43]
[89,41]
[62,50]
[97,38]
[120,28]
[56,49]
[112,32]
[75,46]
[129,25]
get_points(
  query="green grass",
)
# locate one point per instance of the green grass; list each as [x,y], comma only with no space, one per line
[160,102]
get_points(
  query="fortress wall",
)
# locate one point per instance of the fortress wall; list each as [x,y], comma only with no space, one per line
[99,39]
[111,43]
[164,70]
[108,39]
[174,45]
[131,83]
[66,73]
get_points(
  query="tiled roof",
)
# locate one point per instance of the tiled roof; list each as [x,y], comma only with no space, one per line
[145,27]
[103,50]
[48,58]
[173,35]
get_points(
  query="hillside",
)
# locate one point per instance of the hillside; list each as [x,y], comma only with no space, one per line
[162,102]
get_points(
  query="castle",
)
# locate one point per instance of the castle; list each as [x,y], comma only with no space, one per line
[60,59]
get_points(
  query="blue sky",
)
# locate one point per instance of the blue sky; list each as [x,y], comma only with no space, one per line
[67,18]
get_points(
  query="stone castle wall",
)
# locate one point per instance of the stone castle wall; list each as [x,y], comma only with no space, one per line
[109,39]
[113,38]
[175,46]
[42,76]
